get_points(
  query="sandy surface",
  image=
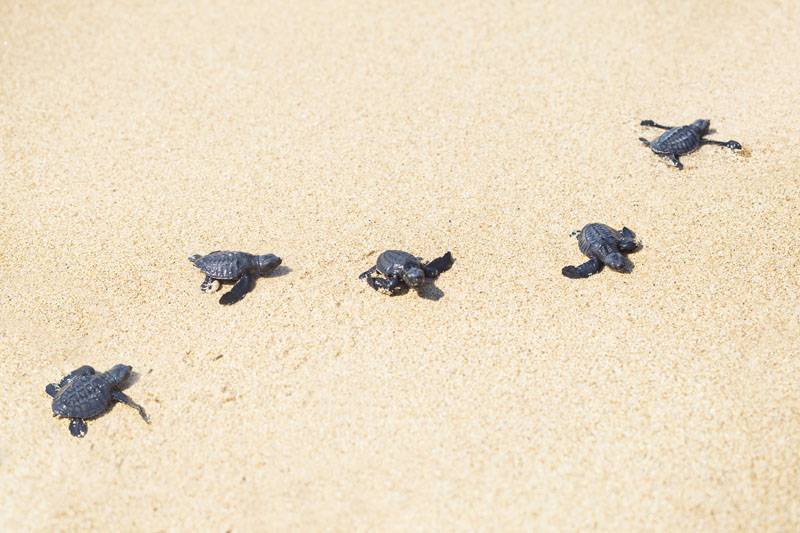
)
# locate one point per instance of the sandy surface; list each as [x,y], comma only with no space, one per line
[132,136]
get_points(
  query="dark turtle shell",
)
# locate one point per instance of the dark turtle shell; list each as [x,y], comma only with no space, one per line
[224,264]
[84,397]
[676,141]
[393,261]
[598,238]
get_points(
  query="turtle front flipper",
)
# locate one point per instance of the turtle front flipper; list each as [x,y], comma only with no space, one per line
[628,243]
[52,389]
[238,291]
[78,427]
[733,145]
[85,370]
[592,266]
[384,284]
[368,272]
[439,265]
[645,141]
[121,397]
[654,125]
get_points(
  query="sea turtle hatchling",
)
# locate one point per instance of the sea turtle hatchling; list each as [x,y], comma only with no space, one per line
[681,140]
[399,268]
[84,394]
[241,266]
[604,246]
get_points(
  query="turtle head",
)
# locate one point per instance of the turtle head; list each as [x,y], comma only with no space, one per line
[413,275]
[267,263]
[700,126]
[615,261]
[119,373]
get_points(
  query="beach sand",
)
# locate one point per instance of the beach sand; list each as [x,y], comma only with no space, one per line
[134,135]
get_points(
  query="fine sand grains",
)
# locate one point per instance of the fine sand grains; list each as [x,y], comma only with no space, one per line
[135,135]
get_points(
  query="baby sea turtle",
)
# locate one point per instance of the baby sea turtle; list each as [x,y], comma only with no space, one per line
[399,268]
[83,394]
[682,140]
[224,265]
[603,245]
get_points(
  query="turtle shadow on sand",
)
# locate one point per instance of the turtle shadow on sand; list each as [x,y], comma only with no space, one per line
[426,291]
[227,300]
[431,292]
[281,271]
[133,379]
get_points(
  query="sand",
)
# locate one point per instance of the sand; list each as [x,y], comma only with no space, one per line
[133,135]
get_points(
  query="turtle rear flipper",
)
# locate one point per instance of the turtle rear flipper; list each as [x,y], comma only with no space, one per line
[238,291]
[78,427]
[209,285]
[121,397]
[584,270]
[627,234]
[439,265]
